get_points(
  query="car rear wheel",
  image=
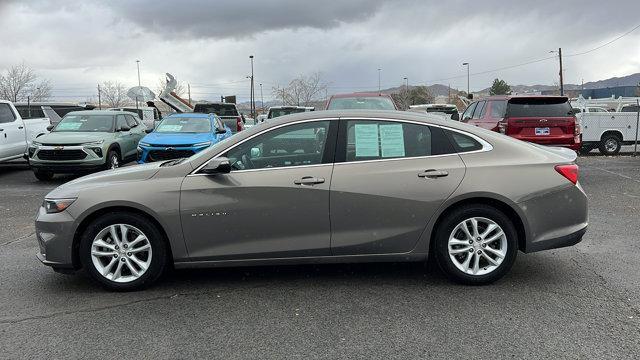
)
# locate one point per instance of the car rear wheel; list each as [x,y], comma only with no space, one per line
[42,175]
[610,144]
[476,244]
[113,160]
[123,251]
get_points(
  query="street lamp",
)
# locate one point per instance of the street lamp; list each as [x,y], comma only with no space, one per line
[139,84]
[406,83]
[467,65]
[379,81]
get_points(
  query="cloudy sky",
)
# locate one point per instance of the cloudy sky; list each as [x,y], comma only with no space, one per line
[77,44]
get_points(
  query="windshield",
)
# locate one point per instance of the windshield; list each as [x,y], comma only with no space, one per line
[369,103]
[274,113]
[184,125]
[218,109]
[539,107]
[85,123]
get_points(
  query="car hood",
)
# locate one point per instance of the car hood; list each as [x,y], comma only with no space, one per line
[105,178]
[176,138]
[62,138]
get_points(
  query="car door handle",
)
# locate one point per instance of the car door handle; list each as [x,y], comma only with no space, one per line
[20,127]
[433,173]
[308,180]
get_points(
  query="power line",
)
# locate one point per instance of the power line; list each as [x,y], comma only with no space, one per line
[605,44]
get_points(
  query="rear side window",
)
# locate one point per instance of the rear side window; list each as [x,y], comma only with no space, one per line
[539,107]
[6,114]
[630,108]
[376,139]
[498,108]
[463,143]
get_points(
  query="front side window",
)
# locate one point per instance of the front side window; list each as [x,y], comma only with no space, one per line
[6,114]
[468,112]
[291,145]
[479,110]
[374,140]
[121,121]
[184,125]
[131,121]
[85,123]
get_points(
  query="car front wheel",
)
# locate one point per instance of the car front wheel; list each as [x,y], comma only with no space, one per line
[123,251]
[476,244]
[113,160]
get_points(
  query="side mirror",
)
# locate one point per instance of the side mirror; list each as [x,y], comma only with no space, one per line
[124,128]
[50,127]
[221,130]
[455,116]
[148,131]
[219,165]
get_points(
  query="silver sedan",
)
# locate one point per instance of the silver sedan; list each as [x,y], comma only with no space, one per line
[331,186]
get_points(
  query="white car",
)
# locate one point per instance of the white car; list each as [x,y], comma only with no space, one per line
[17,134]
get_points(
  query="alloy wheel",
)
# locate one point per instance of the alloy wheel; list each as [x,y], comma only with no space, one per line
[121,253]
[477,246]
[611,145]
[115,163]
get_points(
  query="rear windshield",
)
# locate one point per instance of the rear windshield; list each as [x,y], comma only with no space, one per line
[368,103]
[274,113]
[85,123]
[539,107]
[218,109]
[184,125]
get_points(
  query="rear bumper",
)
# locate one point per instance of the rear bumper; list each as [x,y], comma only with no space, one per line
[569,141]
[555,219]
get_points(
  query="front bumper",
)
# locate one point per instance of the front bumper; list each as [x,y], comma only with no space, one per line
[94,159]
[55,233]
[147,154]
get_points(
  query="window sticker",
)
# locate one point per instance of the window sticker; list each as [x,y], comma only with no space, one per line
[69,125]
[367,140]
[392,140]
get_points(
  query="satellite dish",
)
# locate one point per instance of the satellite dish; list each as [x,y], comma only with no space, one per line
[141,93]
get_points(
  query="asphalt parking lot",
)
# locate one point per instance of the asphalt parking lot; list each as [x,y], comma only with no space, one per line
[578,302]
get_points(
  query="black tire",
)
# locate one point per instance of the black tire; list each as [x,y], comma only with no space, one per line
[158,262]
[113,160]
[610,144]
[446,227]
[43,175]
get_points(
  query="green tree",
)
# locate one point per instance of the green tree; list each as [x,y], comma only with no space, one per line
[499,87]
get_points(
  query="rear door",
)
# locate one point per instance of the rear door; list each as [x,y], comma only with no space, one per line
[274,203]
[389,179]
[12,133]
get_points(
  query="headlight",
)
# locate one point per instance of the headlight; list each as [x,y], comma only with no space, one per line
[143,144]
[53,206]
[208,143]
[93,143]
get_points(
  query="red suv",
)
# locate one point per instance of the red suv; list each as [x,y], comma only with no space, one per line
[545,120]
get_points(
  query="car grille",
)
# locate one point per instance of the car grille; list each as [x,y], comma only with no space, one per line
[171,145]
[61,155]
[160,155]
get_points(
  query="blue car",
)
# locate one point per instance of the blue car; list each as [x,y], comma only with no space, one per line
[180,136]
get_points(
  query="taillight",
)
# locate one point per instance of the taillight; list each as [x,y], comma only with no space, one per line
[239,123]
[502,127]
[569,171]
[578,128]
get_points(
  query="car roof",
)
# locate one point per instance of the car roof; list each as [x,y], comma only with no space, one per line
[521,96]
[360,94]
[100,112]
[192,115]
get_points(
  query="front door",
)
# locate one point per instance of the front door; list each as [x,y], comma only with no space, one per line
[273,204]
[389,179]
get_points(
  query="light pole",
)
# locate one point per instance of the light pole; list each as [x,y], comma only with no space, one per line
[379,81]
[261,99]
[139,85]
[253,103]
[468,91]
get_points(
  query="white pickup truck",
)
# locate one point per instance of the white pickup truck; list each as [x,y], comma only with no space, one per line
[16,134]
[607,131]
